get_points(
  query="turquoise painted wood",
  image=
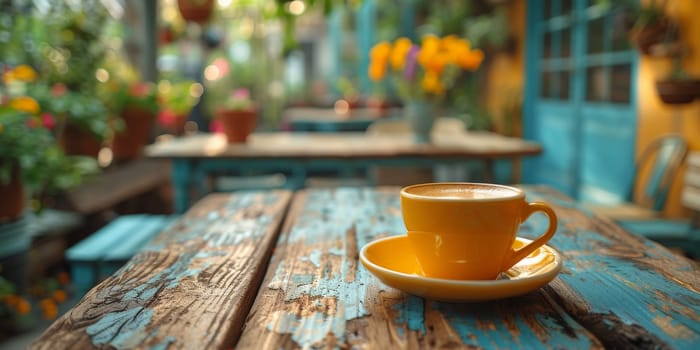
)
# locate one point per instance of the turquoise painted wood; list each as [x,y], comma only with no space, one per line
[106,250]
[580,99]
[316,294]
[231,274]
[189,287]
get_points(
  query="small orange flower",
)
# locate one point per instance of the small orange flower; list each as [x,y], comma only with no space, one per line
[431,83]
[471,60]
[377,71]
[12,300]
[25,104]
[398,53]
[48,309]
[23,307]
[59,296]
[24,72]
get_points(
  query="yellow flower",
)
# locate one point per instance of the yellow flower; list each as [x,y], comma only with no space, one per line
[59,296]
[471,60]
[48,308]
[429,47]
[23,307]
[24,72]
[25,104]
[398,53]
[437,62]
[377,71]
[380,52]
[431,83]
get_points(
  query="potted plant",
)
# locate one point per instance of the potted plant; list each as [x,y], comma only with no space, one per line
[82,119]
[176,102]
[652,27]
[137,108]
[679,87]
[197,11]
[31,163]
[237,116]
[423,73]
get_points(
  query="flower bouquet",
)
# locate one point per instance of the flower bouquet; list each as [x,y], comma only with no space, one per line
[423,73]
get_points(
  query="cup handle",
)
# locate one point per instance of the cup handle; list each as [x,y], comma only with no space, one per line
[520,254]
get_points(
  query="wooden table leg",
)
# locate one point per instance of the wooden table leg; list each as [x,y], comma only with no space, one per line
[182,169]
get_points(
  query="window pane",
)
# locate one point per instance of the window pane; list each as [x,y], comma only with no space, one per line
[620,78]
[546,88]
[596,35]
[596,84]
[547,45]
[564,83]
[547,7]
[565,49]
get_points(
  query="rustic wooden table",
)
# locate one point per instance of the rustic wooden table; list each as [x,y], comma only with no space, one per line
[197,157]
[272,270]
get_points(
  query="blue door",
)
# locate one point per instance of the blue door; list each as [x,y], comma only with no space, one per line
[580,98]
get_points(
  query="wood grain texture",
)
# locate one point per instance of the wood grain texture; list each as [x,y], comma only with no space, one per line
[190,288]
[317,295]
[630,292]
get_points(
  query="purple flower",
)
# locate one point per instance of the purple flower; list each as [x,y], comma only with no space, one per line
[409,70]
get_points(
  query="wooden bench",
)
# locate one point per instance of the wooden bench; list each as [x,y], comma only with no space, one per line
[682,234]
[105,251]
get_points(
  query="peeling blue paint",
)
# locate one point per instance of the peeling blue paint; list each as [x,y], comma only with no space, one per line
[123,329]
[306,330]
[410,313]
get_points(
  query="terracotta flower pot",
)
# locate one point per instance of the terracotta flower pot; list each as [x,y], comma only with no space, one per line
[197,11]
[128,143]
[75,140]
[237,124]
[12,194]
[678,91]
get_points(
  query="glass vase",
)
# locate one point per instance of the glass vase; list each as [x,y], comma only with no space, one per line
[421,117]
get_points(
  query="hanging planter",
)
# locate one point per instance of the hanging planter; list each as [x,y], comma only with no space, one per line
[678,91]
[198,11]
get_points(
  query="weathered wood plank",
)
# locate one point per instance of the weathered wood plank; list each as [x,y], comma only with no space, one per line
[629,291]
[190,288]
[316,294]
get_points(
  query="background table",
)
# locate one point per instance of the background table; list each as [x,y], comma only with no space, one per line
[199,156]
[265,270]
[328,120]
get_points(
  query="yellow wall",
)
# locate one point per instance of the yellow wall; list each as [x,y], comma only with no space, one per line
[506,73]
[657,118]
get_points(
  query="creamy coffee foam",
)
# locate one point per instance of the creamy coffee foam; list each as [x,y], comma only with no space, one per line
[463,191]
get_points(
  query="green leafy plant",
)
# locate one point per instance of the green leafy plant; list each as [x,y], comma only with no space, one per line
[26,140]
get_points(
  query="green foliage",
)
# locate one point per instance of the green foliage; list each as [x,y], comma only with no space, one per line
[44,166]
[178,97]
[82,110]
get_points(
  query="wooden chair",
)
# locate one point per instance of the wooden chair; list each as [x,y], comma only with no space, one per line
[682,234]
[656,170]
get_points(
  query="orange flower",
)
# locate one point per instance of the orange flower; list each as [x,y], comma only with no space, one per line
[12,300]
[398,53]
[24,72]
[380,52]
[431,83]
[23,307]
[377,71]
[471,60]
[59,296]
[48,309]
[25,104]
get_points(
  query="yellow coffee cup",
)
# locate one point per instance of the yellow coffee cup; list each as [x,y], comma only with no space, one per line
[466,230]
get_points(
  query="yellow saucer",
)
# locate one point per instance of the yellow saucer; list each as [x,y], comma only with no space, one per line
[391,260]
